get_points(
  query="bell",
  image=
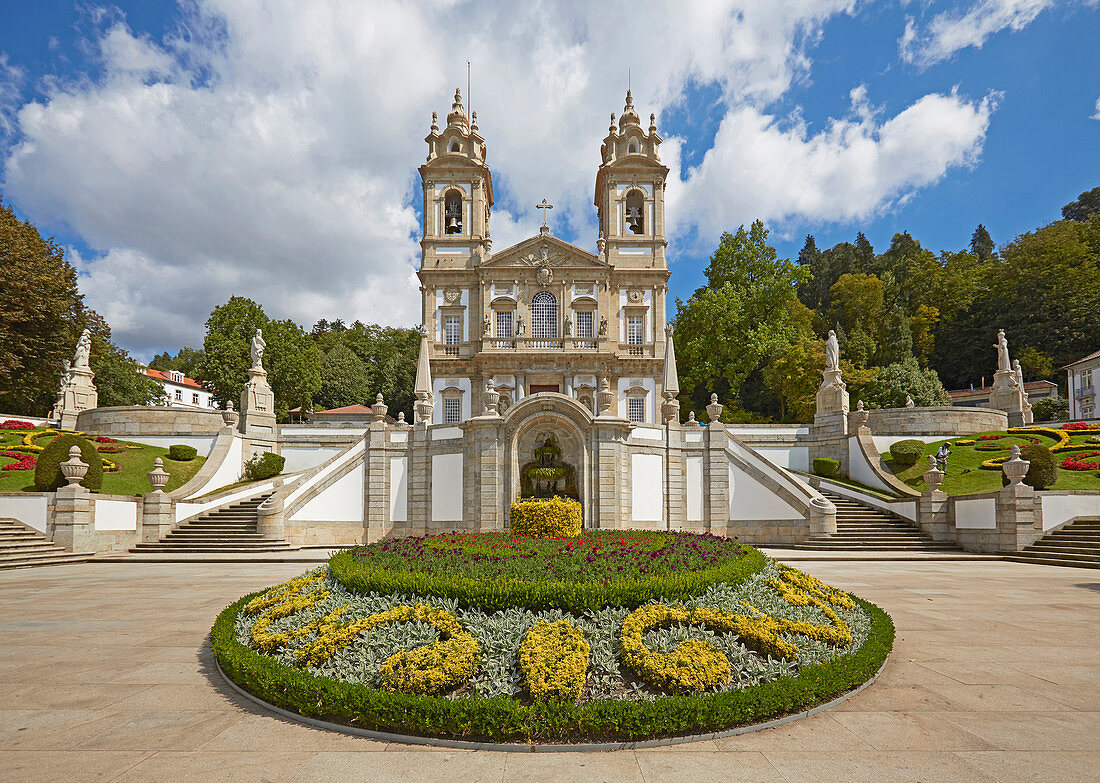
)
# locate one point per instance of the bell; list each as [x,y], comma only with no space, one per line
[452,225]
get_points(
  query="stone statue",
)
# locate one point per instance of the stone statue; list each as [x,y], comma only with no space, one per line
[83,350]
[65,371]
[1002,352]
[566,327]
[519,326]
[487,326]
[1019,371]
[257,350]
[603,326]
[909,402]
[832,352]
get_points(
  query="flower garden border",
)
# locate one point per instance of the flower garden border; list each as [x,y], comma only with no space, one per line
[506,724]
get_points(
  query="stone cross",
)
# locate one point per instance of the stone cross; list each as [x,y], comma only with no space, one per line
[545,205]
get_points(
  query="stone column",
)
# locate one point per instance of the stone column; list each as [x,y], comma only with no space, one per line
[483,466]
[716,480]
[257,405]
[376,495]
[932,512]
[1019,513]
[270,519]
[72,518]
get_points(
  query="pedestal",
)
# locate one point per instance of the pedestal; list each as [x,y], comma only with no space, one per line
[1007,396]
[257,405]
[932,516]
[157,517]
[79,395]
[1019,518]
[832,395]
[72,518]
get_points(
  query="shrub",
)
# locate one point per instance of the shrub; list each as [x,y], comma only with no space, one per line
[1043,471]
[47,473]
[823,466]
[264,466]
[1051,409]
[907,452]
[182,453]
[553,518]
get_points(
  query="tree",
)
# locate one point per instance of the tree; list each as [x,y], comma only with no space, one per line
[891,383]
[42,314]
[794,375]
[186,360]
[293,365]
[981,244]
[1051,409]
[897,339]
[1086,205]
[225,350]
[344,379]
[921,326]
[746,258]
[857,302]
[1035,363]
[118,378]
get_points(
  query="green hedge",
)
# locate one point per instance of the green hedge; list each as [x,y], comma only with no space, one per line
[264,466]
[494,595]
[907,452]
[182,453]
[825,467]
[47,473]
[1043,471]
[507,720]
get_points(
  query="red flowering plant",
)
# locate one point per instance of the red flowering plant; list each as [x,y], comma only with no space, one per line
[989,437]
[1076,425]
[104,439]
[109,449]
[16,424]
[1074,462]
[23,461]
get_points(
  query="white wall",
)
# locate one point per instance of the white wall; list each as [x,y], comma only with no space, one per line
[341,501]
[791,457]
[694,488]
[203,444]
[115,514]
[647,487]
[229,472]
[976,514]
[438,385]
[305,457]
[29,509]
[1058,509]
[447,488]
[399,489]
[749,499]
[860,470]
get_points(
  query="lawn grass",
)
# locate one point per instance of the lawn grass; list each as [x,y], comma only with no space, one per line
[129,479]
[964,474]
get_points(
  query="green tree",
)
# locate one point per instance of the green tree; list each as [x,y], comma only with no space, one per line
[891,383]
[344,379]
[225,350]
[186,360]
[293,365]
[1035,363]
[794,375]
[118,378]
[922,326]
[1086,205]
[857,302]
[981,244]
[897,338]
[42,314]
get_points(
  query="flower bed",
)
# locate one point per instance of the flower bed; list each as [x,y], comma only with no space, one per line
[16,424]
[23,461]
[773,641]
[1076,462]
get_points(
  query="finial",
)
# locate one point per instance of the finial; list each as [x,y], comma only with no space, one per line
[612,127]
[435,121]
[652,123]
[629,100]
[401,417]
[379,398]
[458,96]
[473,121]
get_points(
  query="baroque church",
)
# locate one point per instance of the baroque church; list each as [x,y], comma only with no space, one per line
[544,315]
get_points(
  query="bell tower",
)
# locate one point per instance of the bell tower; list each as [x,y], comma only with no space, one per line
[630,193]
[458,193]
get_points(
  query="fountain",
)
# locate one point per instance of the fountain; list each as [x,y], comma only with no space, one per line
[548,476]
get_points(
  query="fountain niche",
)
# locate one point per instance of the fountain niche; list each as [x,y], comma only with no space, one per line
[548,476]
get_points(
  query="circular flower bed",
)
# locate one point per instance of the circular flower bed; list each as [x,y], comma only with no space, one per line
[489,637]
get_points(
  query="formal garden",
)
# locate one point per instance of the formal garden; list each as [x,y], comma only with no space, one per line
[550,634]
[1065,457]
[29,456]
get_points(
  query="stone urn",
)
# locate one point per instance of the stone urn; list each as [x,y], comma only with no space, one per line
[158,476]
[605,398]
[933,477]
[74,468]
[230,416]
[491,398]
[714,410]
[1015,468]
[424,408]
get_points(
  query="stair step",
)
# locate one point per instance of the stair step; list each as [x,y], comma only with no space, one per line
[1058,560]
[59,558]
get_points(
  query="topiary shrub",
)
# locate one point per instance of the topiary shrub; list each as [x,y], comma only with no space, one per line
[47,473]
[907,452]
[264,466]
[825,467]
[182,453]
[553,518]
[1043,471]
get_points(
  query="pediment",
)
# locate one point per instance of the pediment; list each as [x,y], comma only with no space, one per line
[539,251]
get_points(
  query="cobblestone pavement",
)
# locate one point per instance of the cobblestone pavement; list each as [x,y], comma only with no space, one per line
[105,674]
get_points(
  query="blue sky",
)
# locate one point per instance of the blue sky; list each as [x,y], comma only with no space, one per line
[187,153]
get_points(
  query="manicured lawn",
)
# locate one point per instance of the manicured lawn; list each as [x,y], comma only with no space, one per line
[964,474]
[129,479]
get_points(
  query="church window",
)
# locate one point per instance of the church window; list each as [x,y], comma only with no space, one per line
[452,409]
[452,213]
[635,220]
[544,315]
[455,146]
[635,329]
[505,324]
[452,330]
[633,146]
[584,324]
[635,408]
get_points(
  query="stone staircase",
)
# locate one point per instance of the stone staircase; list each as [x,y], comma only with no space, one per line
[230,529]
[1077,544]
[22,546]
[863,527]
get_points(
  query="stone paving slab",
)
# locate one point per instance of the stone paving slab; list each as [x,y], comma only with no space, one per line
[106,675]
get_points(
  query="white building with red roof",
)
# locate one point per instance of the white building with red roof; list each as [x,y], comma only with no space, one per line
[1083,376]
[181,391]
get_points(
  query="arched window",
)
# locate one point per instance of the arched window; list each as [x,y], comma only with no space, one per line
[452,213]
[633,146]
[635,219]
[544,315]
[456,147]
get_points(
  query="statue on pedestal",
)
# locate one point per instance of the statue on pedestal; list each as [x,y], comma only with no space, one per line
[832,352]
[1002,352]
[83,350]
[257,350]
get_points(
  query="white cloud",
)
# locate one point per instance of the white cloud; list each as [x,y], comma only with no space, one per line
[268,149]
[951,31]
[1097,115]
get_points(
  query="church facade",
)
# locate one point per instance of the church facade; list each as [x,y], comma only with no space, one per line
[544,315]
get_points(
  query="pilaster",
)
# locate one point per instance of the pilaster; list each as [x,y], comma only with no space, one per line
[716,480]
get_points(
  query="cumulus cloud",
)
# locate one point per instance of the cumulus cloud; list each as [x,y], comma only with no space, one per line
[268,149]
[1097,115]
[951,31]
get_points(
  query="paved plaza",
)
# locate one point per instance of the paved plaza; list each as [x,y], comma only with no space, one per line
[106,675]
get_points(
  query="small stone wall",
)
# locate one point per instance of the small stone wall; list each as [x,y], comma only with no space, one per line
[146,420]
[945,421]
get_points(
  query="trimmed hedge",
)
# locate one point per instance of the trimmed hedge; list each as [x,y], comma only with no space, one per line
[907,452]
[508,720]
[1043,471]
[47,473]
[825,467]
[182,453]
[264,466]
[552,518]
[494,595]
